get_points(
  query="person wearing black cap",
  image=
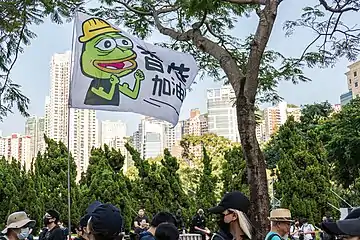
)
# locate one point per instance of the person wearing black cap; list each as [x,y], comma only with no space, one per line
[159,218]
[81,231]
[233,222]
[52,230]
[104,222]
[167,231]
[348,229]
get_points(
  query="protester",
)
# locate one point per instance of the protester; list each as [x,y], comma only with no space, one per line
[233,222]
[347,229]
[167,231]
[180,224]
[280,224]
[82,229]
[307,229]
[161,217]
[198,224]
[141,220]
[18,227]
[104,222]
[294,230]
[52,230]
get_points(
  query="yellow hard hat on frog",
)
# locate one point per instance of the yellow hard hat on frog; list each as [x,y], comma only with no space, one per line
[94,27]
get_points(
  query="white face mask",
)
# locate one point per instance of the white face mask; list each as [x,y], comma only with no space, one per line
[24,233]
[286,236]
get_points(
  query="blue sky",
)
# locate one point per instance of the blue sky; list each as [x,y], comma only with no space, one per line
[32,69]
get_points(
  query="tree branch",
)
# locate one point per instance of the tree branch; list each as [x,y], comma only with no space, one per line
[17,50]
[261,2]
[337,9]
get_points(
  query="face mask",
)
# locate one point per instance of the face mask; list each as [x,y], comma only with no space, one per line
[225,227]
[47,221]
[286,236]
[24,233]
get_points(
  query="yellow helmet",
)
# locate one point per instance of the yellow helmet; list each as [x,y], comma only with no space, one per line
[94,27]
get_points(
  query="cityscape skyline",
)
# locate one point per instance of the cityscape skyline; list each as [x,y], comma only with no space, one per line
[327,83]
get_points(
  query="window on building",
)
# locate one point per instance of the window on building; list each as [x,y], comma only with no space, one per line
[355,74]
[356,84]
[349,81]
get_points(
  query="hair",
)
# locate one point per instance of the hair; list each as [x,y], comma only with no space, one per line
[162,217]
[167,231]
[244,223]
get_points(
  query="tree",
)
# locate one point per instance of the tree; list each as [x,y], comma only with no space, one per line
[343,144]
[16,17]
[201,28]
[51,181]
[104,181]
[312,115]
[216,147]
[206,191]
[234,171]
[303,174]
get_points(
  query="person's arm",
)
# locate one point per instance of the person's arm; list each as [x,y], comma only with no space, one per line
[136,223]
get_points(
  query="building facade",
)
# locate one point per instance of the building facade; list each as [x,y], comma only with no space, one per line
[83,130]
[35,128]
[222,119]
[17,147]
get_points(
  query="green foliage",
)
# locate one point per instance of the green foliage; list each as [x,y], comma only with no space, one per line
[205,193]
[343,145]
[16,18]
[234,171]
[50,179]
[303,179]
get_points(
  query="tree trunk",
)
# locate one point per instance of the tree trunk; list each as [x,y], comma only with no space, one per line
[256,168]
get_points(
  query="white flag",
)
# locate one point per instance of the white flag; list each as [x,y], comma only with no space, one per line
[114,71]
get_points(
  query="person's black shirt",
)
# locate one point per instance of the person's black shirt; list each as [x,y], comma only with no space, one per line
[54,234]
[221,235]
[180,222]
[198,221]
[139,219]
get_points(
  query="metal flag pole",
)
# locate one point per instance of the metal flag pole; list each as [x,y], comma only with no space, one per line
[68,126]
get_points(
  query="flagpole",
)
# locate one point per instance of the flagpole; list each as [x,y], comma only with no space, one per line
[68,128]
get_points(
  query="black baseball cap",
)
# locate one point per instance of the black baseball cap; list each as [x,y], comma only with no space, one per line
[350,226]
[105,219]
[232,200]
[53,214]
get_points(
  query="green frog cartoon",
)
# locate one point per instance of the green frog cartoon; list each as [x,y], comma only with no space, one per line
[106,57]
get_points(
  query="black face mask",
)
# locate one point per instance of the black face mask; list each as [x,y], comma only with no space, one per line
[223,226]
[46,221]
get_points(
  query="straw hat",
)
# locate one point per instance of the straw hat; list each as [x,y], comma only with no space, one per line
[280,215]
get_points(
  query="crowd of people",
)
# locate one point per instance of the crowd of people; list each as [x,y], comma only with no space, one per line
[105,222]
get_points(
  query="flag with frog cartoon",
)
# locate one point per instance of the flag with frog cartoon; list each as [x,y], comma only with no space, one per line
[115,71]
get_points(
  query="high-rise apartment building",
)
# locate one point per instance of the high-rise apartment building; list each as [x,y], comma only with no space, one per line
[59,94]
[113,134]
[276,116]
[196,124]
[151,137]
[83,125]
[47,116]
[17,147]
[353,82]
[83,136]
[222,118]
[353,79]
[35,128]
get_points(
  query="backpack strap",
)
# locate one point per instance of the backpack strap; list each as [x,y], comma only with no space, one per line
[273,235]
[216,234]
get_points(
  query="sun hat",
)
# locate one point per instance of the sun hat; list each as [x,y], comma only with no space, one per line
[18,220]
[280,215]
